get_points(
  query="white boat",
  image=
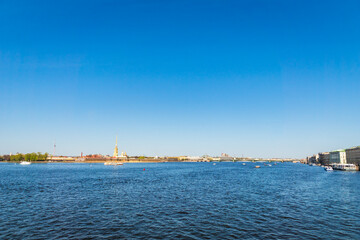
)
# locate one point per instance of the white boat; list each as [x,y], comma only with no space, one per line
[344,167]
[244,164]
[113,163]
[328,168]
[269,165]
[25,163]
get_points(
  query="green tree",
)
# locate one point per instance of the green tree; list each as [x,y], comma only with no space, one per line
[27,157]
[17,157]
[33,156]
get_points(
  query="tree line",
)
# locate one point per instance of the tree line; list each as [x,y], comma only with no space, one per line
[25,157]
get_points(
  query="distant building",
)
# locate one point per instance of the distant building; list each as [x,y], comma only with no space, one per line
[182,158]
[189,158]
[338,156]
[353,155]
[324,158]
[195,158]
[116,150]
[123,156]
[314,159]
[223,157]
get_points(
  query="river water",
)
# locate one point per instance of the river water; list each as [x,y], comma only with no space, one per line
[177,201]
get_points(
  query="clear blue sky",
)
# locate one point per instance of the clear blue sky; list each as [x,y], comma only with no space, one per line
[252,78]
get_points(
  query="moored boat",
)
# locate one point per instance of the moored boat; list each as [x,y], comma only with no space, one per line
[344,167]
[257,166]
[328,168]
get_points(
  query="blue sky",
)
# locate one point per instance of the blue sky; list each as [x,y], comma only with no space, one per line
[251,78]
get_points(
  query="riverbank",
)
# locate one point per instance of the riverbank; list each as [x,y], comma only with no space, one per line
[87,161]
[142,161]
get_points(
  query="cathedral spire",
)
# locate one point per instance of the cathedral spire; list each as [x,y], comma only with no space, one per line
[115,149]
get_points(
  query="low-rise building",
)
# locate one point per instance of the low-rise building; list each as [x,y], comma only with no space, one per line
[338,156]
[353,155]
[314,159]
[190,158]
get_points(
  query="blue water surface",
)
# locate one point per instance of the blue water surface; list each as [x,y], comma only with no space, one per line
[177,201]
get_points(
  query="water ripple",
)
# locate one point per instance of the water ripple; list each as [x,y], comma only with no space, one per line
[177,200]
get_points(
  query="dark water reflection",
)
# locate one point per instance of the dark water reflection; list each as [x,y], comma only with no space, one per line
[177,200]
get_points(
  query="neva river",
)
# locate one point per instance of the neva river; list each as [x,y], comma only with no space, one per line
[177,201]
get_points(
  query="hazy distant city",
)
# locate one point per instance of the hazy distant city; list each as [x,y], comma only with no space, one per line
[349,156]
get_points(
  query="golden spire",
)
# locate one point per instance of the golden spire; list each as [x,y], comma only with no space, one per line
[116,150]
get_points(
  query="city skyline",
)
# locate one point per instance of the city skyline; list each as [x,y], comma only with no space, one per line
[249,78]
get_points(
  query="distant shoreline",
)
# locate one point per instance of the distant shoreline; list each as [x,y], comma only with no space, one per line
[143,161]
